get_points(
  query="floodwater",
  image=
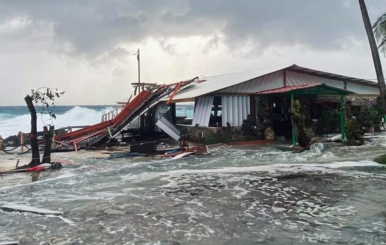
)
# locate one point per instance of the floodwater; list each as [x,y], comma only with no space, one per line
[332,194]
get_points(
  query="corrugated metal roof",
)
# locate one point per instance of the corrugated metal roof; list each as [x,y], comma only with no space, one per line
[254,81]
[268,81]
[215,83]
[297,68]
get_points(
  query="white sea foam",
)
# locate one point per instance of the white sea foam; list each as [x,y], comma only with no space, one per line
[272,168]
[64,176]
[76,116]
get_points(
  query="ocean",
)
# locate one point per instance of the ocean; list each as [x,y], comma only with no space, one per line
[14,119]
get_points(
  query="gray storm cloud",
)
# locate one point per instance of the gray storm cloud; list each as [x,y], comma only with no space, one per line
[93,27]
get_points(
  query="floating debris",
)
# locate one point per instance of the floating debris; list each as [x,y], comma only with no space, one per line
[29,209]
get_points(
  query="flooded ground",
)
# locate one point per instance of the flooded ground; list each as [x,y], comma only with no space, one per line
[237,195]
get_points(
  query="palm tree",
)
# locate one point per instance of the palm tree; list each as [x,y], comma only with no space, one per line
[379,29]
[375,53]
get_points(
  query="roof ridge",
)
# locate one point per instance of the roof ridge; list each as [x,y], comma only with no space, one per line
[245,71]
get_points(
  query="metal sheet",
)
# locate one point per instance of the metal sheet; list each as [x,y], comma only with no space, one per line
[361,89]
[219,82]
[331,75]
[202,110]
[294,78]
[168,128]
[270,81]
[162,110]
[235,109]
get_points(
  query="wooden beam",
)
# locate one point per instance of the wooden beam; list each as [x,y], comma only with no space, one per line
[174,93]
[184,100]
[143,84]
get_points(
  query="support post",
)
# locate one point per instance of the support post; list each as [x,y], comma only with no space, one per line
[342,128]
[173,111]
[252,105]
[292,120]
[139,71]
[21,142]
[48,135]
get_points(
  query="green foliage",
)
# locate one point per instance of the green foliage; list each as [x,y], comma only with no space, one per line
[328,122]
[372,116]
[379,29]
[354,130]
[299,116]
[210,137]
[46,97]
[380,159]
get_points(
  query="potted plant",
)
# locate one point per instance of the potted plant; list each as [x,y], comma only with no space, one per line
[371,118]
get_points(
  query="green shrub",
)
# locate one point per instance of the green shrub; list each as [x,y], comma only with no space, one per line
[210,137]
[380,159]
[371,117]
[328,122]
[354,131]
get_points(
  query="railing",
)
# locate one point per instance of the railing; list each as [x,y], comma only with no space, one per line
[111,114]
[182,111]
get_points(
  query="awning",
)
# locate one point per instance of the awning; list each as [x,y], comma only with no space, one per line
[307,89]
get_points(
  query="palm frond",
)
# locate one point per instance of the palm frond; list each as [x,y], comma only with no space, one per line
[379,29]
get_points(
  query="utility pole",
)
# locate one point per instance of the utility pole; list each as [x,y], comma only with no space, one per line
[139,71]
[375,53]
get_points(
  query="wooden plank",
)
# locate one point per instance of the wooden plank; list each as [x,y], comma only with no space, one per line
[29,209]
[174,93]
[143,84]
[182,155]
[9,243]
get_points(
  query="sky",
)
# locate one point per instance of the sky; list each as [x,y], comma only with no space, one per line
[86,47]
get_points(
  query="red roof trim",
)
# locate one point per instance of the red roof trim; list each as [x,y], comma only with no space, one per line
[289,88]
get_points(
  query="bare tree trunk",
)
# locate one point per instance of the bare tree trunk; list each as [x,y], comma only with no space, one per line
[48,134]
[375,53]
[33,135]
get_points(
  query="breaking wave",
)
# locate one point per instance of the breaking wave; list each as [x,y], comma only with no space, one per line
[75,116]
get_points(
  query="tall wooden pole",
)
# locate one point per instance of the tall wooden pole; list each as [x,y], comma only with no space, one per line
[292,119]
[342,128]
[375,53]
[139,70]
